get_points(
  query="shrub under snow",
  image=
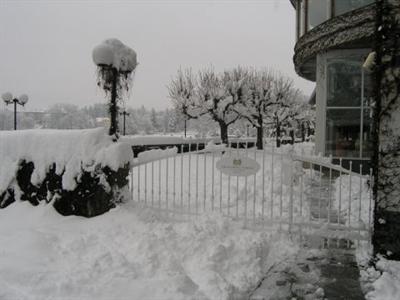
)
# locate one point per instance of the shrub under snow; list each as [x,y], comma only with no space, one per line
[70,167]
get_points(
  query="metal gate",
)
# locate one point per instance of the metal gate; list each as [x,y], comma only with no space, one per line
[295,192]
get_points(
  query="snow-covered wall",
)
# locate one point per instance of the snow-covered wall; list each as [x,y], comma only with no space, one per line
[29,156]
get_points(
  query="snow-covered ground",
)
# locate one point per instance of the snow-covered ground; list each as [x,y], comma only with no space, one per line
[381,282]
[130,253]
[359,210]
[133,252]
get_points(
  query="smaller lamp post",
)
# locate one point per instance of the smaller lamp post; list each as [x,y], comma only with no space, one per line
[9,99]
[124,114]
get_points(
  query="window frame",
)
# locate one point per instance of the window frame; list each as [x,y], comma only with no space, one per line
[333,57]
[303,14]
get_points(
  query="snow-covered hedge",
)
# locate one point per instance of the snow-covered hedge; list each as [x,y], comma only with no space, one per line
[82,171]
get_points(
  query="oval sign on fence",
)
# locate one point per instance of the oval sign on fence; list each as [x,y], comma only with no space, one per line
[238,165]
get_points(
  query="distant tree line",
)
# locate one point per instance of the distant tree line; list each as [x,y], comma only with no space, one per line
[262,98]
[69,116]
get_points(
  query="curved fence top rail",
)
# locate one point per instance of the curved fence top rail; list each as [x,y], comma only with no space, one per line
[316,161]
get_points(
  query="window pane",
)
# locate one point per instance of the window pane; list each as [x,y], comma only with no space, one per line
[367,134]
[343,6]
[344,83]
[343,132]
[317,12]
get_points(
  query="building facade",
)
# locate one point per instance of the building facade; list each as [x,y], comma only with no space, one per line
[334,38]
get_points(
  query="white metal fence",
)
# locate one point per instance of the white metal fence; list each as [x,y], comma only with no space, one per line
[292,191]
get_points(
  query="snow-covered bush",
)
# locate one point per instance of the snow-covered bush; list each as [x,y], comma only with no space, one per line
[82,172]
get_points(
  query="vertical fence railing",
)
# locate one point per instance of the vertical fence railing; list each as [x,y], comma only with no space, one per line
[290,191]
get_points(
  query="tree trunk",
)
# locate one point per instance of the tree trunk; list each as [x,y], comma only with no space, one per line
[113,104]
[260,134]
[386,159]
[278,135]
[224,132]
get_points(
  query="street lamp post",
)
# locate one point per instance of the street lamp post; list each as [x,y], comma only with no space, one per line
[116,65]
[9,99]
[124,114]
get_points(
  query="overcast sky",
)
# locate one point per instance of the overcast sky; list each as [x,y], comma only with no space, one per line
[46,46]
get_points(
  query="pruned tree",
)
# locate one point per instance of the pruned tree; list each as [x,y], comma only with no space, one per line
[210,93]
[182,92]
[284,98]
[220,96]
[259,97]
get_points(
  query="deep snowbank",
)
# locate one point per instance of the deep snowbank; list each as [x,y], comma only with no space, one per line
[130,253]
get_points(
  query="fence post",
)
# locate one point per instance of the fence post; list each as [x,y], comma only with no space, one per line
[132,191]
[272,183]
[205,177]
[182,177]
[138,183]
[254,188]
[371,183]
[166,182]
[291,194]
[359,207]
[349,213]
[145,183]
[212,181]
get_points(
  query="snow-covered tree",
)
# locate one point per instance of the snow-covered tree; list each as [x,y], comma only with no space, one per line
[67,116]
[260,96]
[219,96]
[154,120]
[386,160]
[210,93]
[283,111]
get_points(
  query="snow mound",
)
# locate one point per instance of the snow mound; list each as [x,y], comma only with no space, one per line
[135,255]
[152,140]
[212,147]
[156,154]
[112,52]
[70,150]
[381,282]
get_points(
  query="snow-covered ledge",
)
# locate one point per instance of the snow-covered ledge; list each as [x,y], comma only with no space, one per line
[82,172]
